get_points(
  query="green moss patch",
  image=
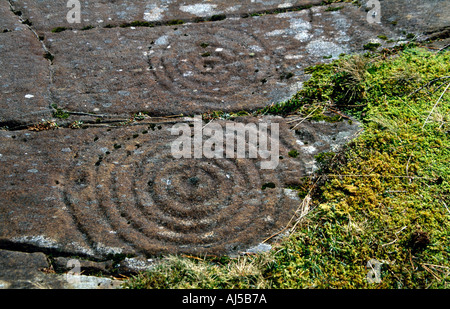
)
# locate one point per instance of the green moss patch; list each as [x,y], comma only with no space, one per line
[388,198]
[59,29]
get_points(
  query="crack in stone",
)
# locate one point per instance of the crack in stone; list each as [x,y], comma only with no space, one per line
[47,55]
[27,24]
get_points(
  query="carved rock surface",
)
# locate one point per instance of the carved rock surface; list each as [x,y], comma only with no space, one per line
[98,191]
[117,192]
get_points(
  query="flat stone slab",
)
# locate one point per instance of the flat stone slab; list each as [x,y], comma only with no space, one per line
[231,65]
[99,192]
[24,93]
[24,73]
[20,270]
[47,15]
